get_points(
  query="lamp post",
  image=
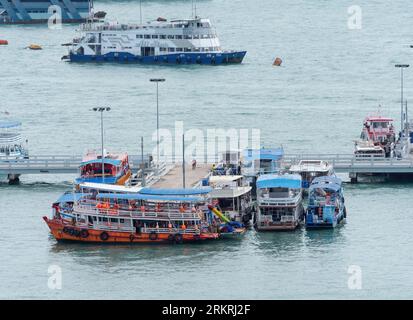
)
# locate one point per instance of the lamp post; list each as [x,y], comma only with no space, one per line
[101,110]
[402,67]
[157,80]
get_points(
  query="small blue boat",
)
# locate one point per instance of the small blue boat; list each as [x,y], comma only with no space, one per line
[326,207]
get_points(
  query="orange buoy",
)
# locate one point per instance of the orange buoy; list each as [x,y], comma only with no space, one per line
[4,42]
[35,47]
[277,62]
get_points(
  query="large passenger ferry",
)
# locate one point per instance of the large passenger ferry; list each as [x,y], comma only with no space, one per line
[185,41]
[173,216]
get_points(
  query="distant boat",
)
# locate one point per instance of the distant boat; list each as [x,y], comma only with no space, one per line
[185,41]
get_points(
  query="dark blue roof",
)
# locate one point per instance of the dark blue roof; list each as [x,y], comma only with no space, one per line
[4,124]
[176,192]
[147,197]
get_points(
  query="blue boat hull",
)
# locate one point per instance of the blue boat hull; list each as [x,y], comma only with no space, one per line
[172,59]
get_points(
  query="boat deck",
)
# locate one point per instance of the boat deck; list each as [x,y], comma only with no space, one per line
[173,178]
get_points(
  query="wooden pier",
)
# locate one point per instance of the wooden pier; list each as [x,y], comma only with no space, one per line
[174,177]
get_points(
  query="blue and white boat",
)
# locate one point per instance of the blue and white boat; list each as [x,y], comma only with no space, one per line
[186,41]
[279,202]
[326,207]
[12,147]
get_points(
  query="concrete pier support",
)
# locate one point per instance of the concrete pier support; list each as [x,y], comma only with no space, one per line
[353,177]
[13,179]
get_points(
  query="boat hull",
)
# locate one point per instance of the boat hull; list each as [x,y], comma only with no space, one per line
[66,232]
[278,227]
[171,59]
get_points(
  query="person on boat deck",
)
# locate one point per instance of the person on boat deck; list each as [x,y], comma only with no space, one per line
[182,208]
[193,164]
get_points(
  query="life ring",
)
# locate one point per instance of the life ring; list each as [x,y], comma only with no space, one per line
[84,233]
[153,236]
[179,238]
[171,238]
[104,236]
[131,237]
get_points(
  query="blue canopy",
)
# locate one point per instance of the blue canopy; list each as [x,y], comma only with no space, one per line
[330,186]
[71,197]
[9,124]
[147,197]
[114,162]
[327,179]
[292,181]
[264,154]
[176,192]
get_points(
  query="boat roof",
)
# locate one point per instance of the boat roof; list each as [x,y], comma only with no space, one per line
[229,192]
[229,178]
[378,119]
[8,124]
[148,197]
[264,153]
[110,158]
[292,181]
[110,187]
[326,182]
[327,179]
[175,192]
[310,166]
[71,197]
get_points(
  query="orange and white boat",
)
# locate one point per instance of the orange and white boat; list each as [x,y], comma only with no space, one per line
[114,168]
[172,216]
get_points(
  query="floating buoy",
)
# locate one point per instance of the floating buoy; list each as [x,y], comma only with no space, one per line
[277,62]
[34,47]
[4,42]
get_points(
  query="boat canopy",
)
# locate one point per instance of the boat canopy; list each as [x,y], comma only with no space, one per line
[148,197]
[176,192]
[327,179]
[71,197]
[9,124]
[264,154]
[327,182]
[113,162]
[292,181]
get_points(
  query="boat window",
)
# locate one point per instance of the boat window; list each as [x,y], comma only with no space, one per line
[113,220]
[187,36]
[162,36]
[179,49]
[147,36]
[178,36]
[171,49]
[170,37]
[188,49]
[154,36]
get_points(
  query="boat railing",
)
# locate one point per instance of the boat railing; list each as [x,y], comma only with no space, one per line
[171,230]
[89,208]
[279,201]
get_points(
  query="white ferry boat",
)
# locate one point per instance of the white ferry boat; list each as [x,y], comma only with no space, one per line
[12,146]
[279,202]
[310,169]
[186,41]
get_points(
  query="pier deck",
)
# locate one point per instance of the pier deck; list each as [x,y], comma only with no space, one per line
[173,178]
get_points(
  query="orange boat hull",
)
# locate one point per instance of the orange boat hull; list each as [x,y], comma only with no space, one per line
[63,232]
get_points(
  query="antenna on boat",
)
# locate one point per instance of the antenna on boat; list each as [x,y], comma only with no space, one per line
[143,164]
[140,10]
[183,161]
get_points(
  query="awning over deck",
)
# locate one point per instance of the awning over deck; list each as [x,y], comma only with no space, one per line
[292,181]
[71,197]
[9,124]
